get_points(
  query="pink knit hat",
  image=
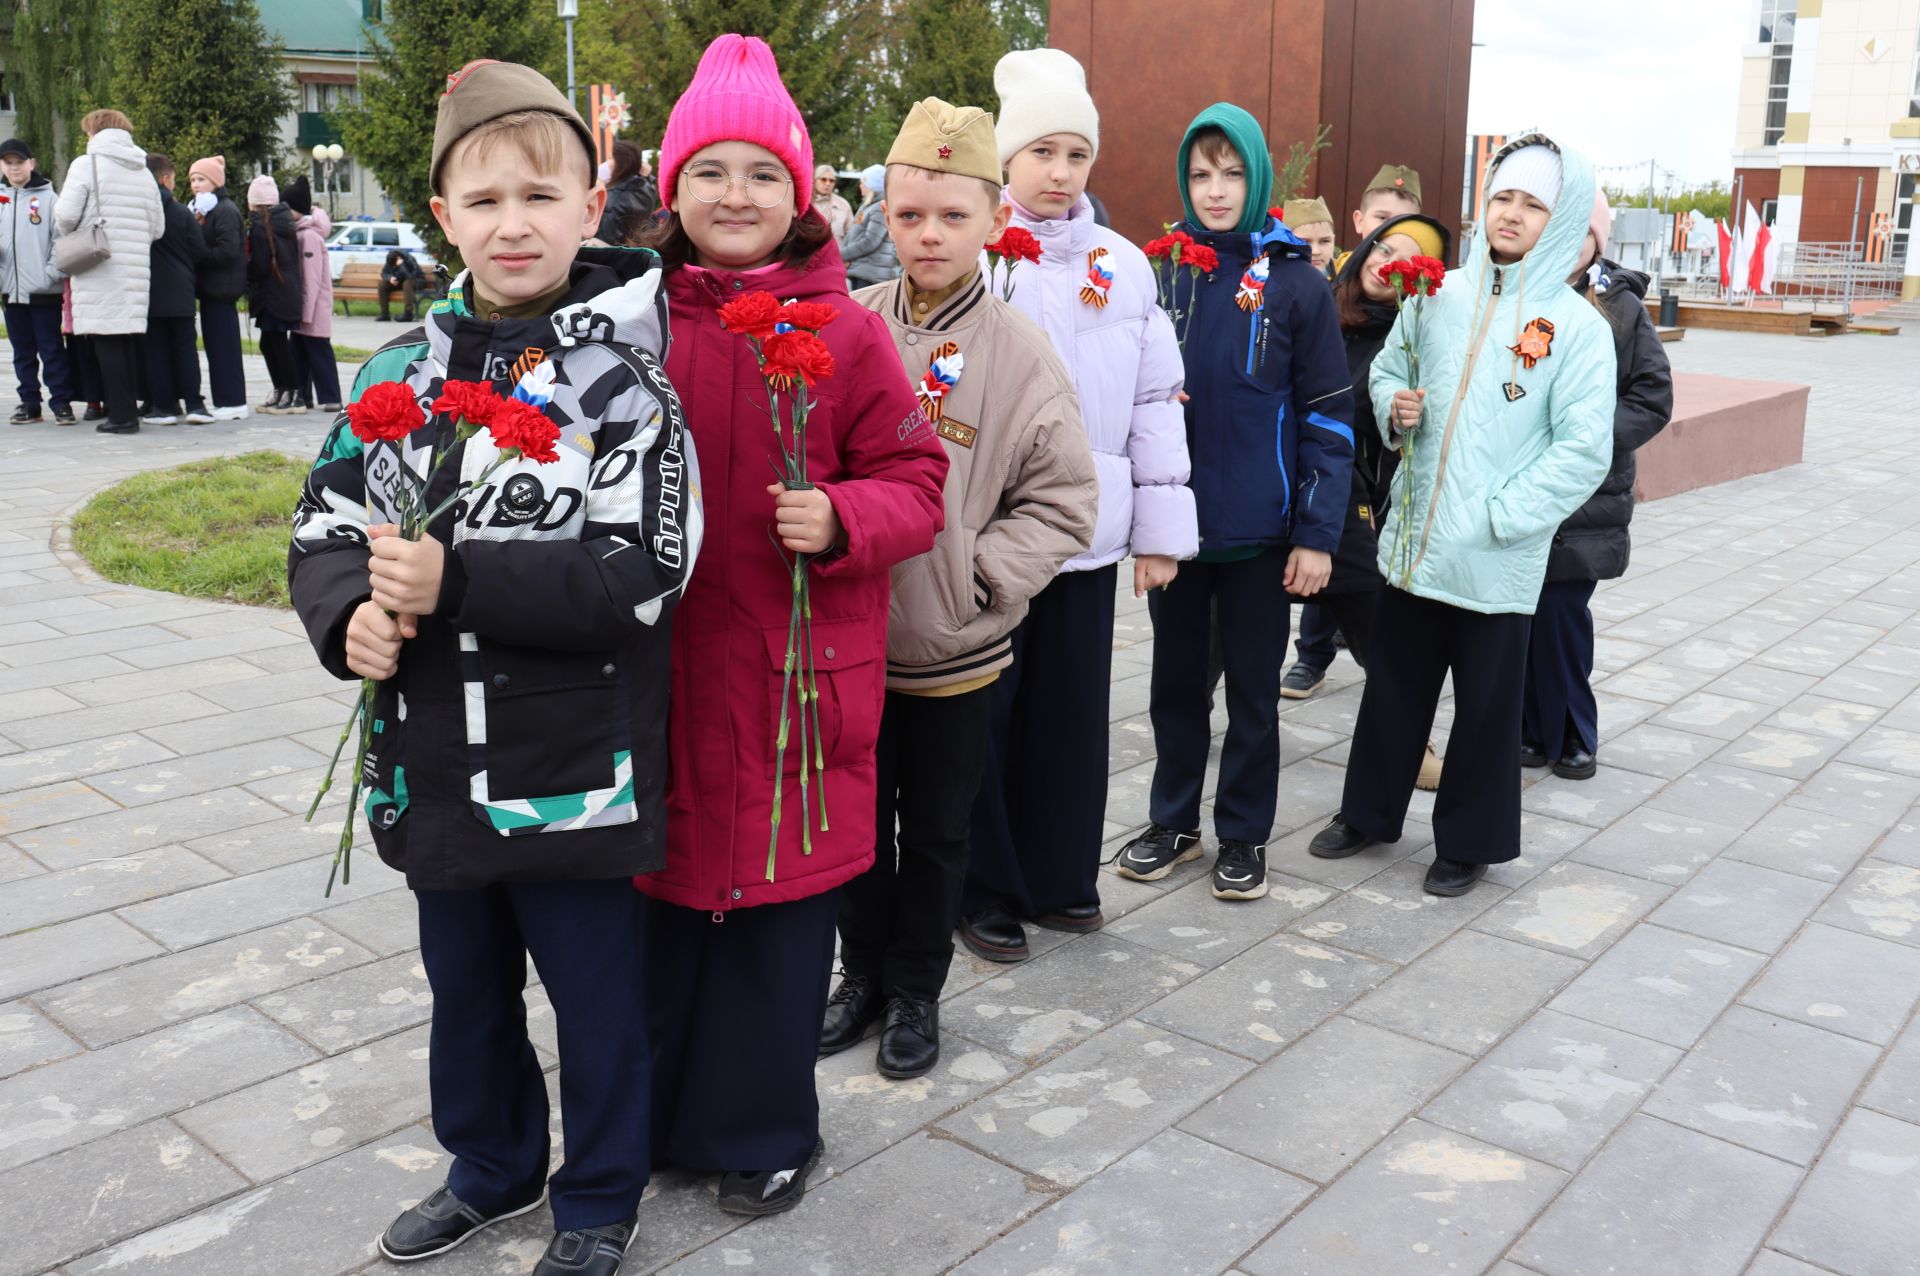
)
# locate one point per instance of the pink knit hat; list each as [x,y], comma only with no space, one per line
[262,193]
[213,168]
[737,96]
[1601,223]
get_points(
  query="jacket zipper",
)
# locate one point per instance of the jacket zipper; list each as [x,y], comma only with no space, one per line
[1446,439]
[1280,454]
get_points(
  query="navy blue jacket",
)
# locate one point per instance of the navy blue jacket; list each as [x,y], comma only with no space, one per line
[1269,420]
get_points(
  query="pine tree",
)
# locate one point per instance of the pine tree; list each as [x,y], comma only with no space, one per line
[425,41]
[1024,21]
[948,49]
[59,72]
[198,78]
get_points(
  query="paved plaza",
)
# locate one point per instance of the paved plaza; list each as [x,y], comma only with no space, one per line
[1677,1036]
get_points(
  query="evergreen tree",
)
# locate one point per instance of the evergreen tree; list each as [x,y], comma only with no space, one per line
[948,49]
[59,72]
[1024,21]
[200,77]
[423,42]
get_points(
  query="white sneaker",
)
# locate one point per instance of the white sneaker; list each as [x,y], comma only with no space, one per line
[238,412]
[198,416]
[161,420]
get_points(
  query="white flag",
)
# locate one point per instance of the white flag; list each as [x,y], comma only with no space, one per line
[1743,248]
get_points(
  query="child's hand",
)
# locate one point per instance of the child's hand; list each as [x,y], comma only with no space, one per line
[405,574]
[1151,571]
[1308,571]
[805,519]
[373,642]
[1406,409]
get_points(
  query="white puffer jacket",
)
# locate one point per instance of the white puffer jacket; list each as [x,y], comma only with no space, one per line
[111,298]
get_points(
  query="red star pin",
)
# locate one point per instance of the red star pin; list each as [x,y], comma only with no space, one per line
[946,152]
[1399,181]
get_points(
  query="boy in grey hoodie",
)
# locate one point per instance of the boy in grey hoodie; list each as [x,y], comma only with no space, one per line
[30,283]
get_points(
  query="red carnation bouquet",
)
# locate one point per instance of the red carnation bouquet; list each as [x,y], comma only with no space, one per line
[1413,281]
[793,360]
[1169,253]
[1015,245]
[388,413]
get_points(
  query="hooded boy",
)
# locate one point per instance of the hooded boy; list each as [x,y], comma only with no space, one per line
[522,653]
[1268,428]
[31,286]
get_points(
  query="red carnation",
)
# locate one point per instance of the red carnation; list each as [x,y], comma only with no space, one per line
[518,426]
[1434,270]
[807,316]
[1201,258]
[1158,247]
[1016,243]
[386,413]
[751,316]
[1278,213]
[474,402]
[795,357]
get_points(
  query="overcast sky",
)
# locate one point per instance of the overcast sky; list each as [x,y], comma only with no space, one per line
[1622,81]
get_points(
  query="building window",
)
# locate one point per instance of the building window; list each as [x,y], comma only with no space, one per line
[1776,21]
[1906,207]
[1913,101]
[1782,68]
[370,10]
[1769,209]
[328,97]
[342,177]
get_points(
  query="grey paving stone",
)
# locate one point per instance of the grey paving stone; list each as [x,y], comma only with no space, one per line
[1658,681]
[1742,904]
[1807,843]
[1824,716]
[1731,796]
[77,1201]
[389,922]
[106,1008]
[1427,1202]
[1046,1004]
[1555,1090]
[862,1112]
[103,884]
[1660,984]
[1652,749]
[1698,1206]
[1855,683]
[31,768]
[265,723]
[1268,996]
[28,1039]
[152,611]
[1896,1087]
[1777,751]
[885,1201]
[1572,908]
[286,840]
[1469,992]
[1393,918]
[1820,648]
[1657,845]
[356,1006]
[1597,802]
[202,772]
[90,1096]
[206,677]
[33,702]
[1887,749]
[49,955]
[1321,1104]
[237,904]
[181,651]
[1710,713]
[142,829]
[109,719]
[1902,843]
[319,1222]
[1772,1263]
[1309,795]
[51,804]
[1072,1118]
[1770,1084]
[1101,1229]
[1856,1211]
[1854,792]
[1844,982]
[117,643]
[297,658]
[1190,923]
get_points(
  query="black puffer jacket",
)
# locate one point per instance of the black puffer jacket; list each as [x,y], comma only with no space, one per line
[176,257]
[1594,543]
[629,205]
[223,271]
[274,287]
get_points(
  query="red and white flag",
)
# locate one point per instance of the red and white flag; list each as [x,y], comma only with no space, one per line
[1726,254]
[1765,253]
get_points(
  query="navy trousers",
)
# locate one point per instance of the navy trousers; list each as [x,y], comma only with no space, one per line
[735,1007]
[1560,709]
[1315,646]
[220,334]
[489,1096]
[1249,599]
[34,333]
[315,369]
[1037,824]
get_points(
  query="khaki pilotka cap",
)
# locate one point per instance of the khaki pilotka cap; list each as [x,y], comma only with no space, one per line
[484,90]
[943,138]
[1305,212]
[1398,178]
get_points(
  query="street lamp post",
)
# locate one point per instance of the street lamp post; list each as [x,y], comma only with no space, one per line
[569,10]
[329,155]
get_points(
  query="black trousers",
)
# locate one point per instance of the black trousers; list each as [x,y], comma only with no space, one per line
[1560,710]
[120,374]
[1314,647]
[897,918]
[173,365]
[1038,821]
[1416,642]
[84,361]
[226,373]
[315,369]
[1349,612]
[735,1008]
[34,333]
[276,347]
[489,1097]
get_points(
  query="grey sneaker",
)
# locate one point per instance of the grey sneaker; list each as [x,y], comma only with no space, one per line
[441,1222]
[593,1251]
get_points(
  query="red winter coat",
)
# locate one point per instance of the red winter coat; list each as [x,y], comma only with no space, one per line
[871,449]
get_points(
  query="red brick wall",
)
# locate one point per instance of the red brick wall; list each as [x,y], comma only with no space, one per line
[1826,204]
[1755,186]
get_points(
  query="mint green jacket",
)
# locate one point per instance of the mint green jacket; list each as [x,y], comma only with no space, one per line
[1505,452]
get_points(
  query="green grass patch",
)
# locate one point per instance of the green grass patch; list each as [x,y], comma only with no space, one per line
[343,354]
[207,529]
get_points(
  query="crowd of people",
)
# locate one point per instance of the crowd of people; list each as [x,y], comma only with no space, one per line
[587,673]
[102,325]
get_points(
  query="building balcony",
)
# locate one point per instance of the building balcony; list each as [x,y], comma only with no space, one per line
[315,128]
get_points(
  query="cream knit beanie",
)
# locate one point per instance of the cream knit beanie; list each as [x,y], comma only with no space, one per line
[1042,91]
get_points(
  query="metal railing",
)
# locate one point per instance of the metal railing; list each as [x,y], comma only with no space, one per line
[1823,277]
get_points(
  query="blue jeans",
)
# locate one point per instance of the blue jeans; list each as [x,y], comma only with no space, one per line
[34,332]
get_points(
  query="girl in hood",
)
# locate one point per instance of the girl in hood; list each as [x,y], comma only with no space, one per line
[1510,428]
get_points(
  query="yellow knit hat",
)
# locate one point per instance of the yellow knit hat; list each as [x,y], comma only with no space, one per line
[1420,232]
[944,138]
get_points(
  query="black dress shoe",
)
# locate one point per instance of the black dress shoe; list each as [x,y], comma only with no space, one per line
[995,934]
[1075,918]
[910,1041]
[1576,763]
[94,412]
[441,1222]
[118,427]
[756,1192]
[1532,755]
[593,1251]
[851,1010]
[1337,841]
[1453,877]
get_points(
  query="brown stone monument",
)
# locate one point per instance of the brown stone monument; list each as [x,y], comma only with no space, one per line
[1389,77]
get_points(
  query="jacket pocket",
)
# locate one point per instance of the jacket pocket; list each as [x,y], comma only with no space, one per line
[550,738]
[844,723]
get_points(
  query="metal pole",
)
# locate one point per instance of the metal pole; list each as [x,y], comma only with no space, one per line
[1853,234]
[1733,218]
[1649,185]
[572,99]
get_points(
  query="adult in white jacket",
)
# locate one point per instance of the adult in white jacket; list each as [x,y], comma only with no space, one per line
[111,183]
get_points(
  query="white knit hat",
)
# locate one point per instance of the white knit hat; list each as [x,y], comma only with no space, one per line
[1533,169]
[1042,91]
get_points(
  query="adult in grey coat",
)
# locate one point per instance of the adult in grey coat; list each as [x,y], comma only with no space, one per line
[867,249]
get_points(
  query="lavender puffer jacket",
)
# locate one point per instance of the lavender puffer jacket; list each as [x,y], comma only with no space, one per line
[1127,372]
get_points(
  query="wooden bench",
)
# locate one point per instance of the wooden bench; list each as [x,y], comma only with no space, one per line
[357,283]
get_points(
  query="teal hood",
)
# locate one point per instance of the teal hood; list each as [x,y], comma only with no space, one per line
[1245,133]
[1553,259]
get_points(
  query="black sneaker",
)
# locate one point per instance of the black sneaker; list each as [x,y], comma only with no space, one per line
[757,1192]
[1240,870]
[441,1222]
[118,427]
[24,415]
[1153,854]
[594,1251]
[1302,681]
[63,415]
[384,319]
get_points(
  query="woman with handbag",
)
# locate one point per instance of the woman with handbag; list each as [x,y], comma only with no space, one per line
[108,216]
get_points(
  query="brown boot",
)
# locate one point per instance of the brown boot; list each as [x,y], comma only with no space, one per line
[1429,771]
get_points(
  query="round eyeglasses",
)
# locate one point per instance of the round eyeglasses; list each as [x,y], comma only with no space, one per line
[765,188]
